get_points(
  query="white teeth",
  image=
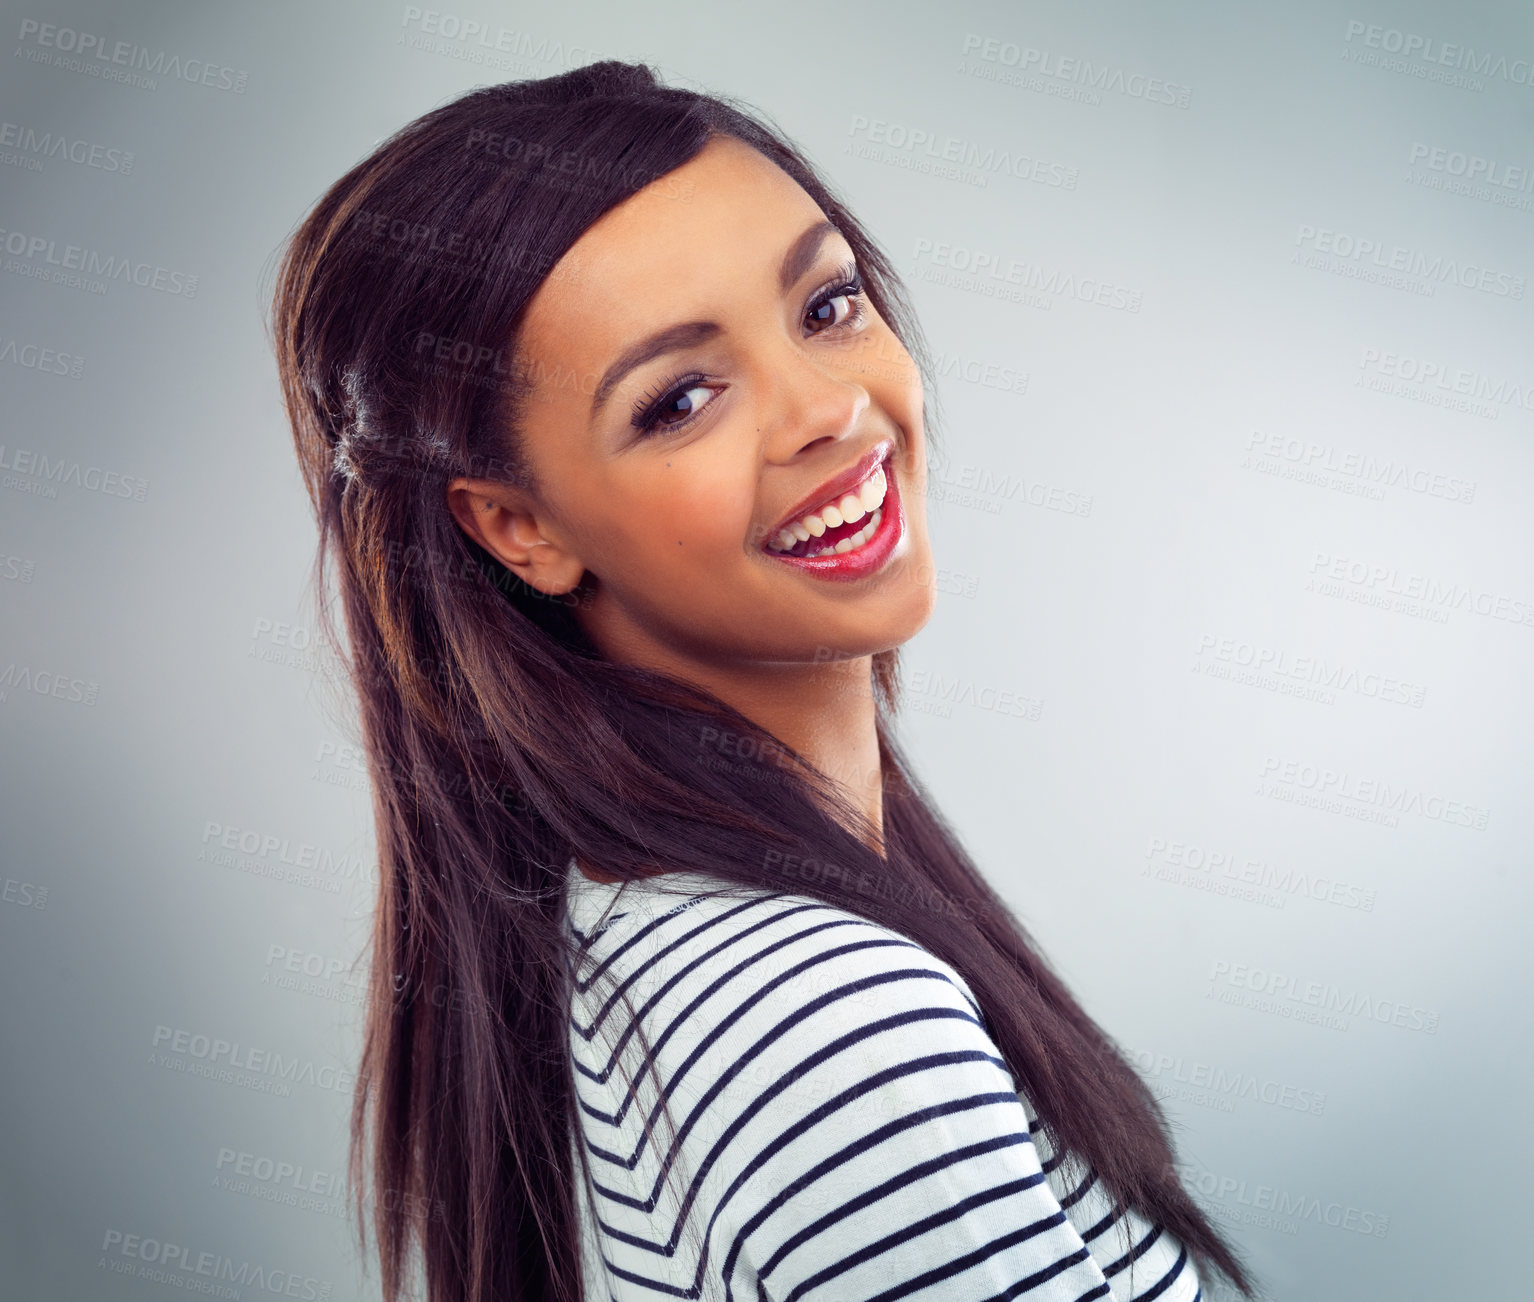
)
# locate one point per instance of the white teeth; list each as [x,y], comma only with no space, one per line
[856,540]
[873,491]
[848,509]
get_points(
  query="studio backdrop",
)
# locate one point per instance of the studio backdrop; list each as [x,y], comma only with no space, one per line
[1228,687]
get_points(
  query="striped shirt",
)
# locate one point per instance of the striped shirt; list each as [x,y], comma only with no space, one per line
[843,1128]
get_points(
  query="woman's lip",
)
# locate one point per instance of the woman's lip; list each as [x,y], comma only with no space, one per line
[862,560]
[838,484]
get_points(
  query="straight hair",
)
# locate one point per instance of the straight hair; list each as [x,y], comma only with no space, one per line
[500,743]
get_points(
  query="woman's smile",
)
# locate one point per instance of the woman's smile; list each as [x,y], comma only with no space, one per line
[852,532]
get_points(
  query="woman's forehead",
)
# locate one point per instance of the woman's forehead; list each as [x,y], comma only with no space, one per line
[675,251]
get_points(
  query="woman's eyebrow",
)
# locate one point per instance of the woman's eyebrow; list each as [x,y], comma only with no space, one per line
[799,257]
[669,340]
[802,252]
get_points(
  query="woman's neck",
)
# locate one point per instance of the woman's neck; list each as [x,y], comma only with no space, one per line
[826,712]
[823,710]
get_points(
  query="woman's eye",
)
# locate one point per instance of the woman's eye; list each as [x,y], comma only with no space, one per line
[682,404]
[833,311]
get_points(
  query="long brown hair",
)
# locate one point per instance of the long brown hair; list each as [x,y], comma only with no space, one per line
[500,743]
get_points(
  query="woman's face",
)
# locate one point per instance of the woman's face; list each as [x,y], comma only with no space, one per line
[706,391]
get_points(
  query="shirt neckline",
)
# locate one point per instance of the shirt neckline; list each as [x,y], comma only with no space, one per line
[588,901]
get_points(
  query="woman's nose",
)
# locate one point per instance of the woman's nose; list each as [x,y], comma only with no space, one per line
[806,400]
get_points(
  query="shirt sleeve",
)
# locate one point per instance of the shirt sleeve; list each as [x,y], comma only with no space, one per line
[1141,1261]
[870,1145]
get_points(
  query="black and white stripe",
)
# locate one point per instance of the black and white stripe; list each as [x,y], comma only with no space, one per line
[845,1128]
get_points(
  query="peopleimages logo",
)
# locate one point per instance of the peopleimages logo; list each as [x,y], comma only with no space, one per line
[289,1175]
[872,136]
[34,357]
[38,145]
[990,269]
[1236,654]
[81,268]
[47,682]
[1431,54]
[1475,168]
[97,56]
[1340,785]
[1314,460]
[217,1058]
[1456,381]
[34,471]
[1219,1087]
[308,973]
[1379,583]
[986,374]
[1286,994]
[175,1264]
[1047,70]
[935,688]
[1285,1206]
[1186,862]
[470,41]
[1471,176]
[300,863]
[1356,250]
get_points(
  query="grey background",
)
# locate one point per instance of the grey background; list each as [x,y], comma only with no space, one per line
[1248,470]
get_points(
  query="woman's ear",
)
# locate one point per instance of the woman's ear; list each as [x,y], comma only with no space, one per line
[507,523]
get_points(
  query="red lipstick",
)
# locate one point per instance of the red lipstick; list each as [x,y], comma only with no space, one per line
[860,561]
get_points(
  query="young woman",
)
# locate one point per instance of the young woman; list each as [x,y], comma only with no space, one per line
[681,987]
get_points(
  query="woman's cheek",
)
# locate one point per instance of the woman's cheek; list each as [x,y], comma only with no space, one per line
[706,513]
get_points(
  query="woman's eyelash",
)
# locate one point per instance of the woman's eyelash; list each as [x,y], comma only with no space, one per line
[647,410]
[849,282]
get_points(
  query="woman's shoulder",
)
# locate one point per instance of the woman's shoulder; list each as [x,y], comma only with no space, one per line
[819,1055]
[688,930]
